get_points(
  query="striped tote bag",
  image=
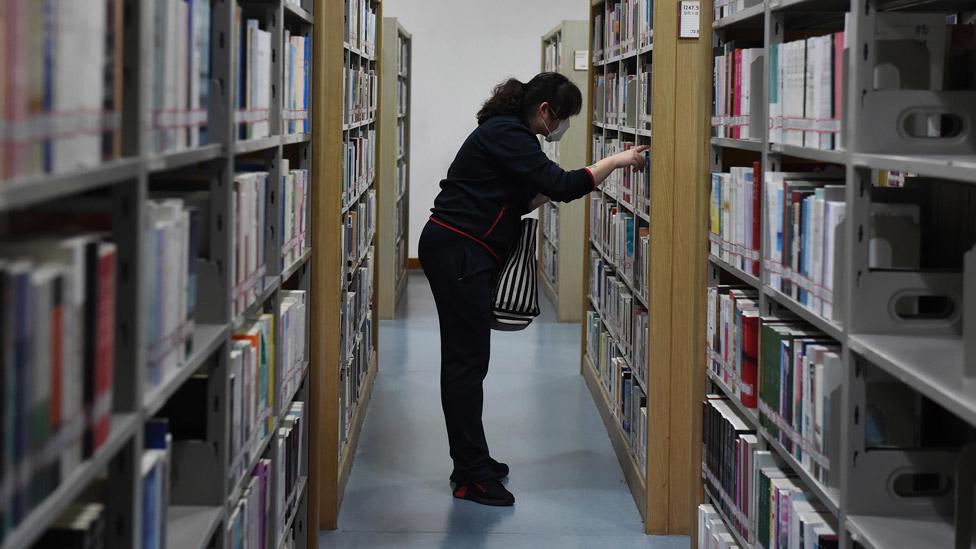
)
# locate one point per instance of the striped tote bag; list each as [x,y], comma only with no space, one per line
[516,297]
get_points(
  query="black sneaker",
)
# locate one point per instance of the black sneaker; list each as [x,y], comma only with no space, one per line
[499,469]
[488,492]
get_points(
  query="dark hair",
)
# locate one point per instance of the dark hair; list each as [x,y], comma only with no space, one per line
[517,99]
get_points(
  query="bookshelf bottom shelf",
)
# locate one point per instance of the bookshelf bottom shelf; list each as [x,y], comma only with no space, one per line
[621,446]
[355,425]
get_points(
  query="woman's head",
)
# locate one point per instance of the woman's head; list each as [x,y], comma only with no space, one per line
[541,102]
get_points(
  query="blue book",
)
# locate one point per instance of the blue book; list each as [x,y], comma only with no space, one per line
[23,335]
[150,502]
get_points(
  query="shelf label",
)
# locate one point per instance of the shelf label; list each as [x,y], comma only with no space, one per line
[690,25]
[582,60]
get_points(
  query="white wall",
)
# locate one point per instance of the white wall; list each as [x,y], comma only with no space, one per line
[461,49]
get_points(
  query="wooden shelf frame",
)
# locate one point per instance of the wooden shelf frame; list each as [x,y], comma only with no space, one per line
[568,241]
[390,269]
[328,473]
[681,98]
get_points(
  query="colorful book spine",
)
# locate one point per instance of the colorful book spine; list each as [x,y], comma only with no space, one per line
[806,91]
[60,95]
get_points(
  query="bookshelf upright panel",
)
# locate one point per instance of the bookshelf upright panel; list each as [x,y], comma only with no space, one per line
[394,155]
[641,281]
[344,325]
[854,258]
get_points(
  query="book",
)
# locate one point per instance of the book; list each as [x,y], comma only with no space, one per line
[253,59]
[734,214]
[728,445]
[297,78]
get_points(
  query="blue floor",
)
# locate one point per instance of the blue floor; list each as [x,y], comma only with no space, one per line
[539,418]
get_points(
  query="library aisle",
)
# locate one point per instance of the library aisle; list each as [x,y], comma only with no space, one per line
[539,418]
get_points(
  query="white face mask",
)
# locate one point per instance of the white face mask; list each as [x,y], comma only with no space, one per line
[559,132]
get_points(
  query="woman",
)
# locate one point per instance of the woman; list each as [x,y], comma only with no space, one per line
[499,174]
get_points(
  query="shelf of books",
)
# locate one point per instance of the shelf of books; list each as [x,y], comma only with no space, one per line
[630,361]
[840,313]
[394,155]
[561,225]
[154,273]
[343,318]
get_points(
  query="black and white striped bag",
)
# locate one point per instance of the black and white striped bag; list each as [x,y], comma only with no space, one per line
[516,298]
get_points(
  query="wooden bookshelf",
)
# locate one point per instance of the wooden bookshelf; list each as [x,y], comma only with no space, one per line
[334,442]
[672,289]
[202,490]
[883,356]
[561,224]
[394,155]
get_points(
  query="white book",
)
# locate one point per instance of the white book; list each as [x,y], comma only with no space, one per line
[193,72]
[745,90]
[828,413]
[811,111]
[182,72]
[833,259]
[815,242]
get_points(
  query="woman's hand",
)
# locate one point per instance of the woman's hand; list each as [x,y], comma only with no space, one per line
[631,158]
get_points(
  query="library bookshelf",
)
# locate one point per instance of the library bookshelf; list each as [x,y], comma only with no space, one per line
[870,334]
[180,327]
[561,224]
[394,155]
[644,288]
[343,343]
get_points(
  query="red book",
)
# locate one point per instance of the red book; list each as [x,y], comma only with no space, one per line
[747,385]
[105,344]
[756,213]
[838,84]
[737,98]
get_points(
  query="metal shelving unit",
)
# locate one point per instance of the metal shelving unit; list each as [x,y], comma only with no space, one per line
[198,511]
[928,355]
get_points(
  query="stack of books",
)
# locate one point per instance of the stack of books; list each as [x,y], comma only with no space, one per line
[172,243]
[806,92]
[297,90]
[180,76]
[294,221]
[62,86]
[249,202]
[58,306]
[253,60]
[251,374]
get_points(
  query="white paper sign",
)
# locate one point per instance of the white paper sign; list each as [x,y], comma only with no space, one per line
[690,26]
[582,60]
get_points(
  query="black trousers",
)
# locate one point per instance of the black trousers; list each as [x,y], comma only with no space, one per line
[461,274]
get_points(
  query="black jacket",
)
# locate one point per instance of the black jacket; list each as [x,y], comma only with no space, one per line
[499,169]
